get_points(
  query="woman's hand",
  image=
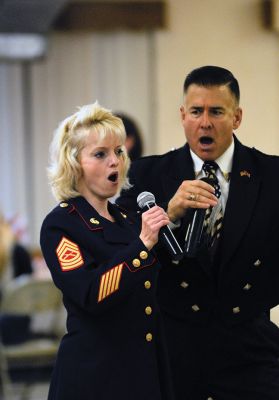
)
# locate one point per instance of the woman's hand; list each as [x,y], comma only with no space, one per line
[152,221]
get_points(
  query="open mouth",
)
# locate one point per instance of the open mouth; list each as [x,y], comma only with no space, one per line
[206,140]
[113,177]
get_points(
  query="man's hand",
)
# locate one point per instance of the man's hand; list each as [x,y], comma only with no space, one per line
[191,194]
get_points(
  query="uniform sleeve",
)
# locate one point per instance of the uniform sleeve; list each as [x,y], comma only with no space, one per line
[90,281]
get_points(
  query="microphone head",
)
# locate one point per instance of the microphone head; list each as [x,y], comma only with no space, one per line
[145,198]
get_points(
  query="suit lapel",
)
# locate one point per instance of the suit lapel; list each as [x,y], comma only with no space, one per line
[243,193]
[182,169]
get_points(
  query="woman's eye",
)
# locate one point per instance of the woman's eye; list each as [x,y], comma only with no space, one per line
[119,152]
[99,154]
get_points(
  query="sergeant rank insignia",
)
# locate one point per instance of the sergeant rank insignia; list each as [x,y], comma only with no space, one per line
[110,282]
[69,255]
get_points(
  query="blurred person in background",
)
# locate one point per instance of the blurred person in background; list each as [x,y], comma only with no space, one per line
[103,262]
[134,141]
[15,259]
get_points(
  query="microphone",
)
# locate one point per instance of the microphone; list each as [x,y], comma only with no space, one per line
[146,200]
[194,232]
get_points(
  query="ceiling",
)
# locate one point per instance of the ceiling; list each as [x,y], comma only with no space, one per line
[40,16]
[29,16]
[25,24]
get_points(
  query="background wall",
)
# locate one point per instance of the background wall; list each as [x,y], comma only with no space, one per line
[140,73]
[230,34]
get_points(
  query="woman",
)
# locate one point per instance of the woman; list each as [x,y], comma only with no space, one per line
[103,263]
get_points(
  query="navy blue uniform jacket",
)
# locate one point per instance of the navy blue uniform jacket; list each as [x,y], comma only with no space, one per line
[114,346]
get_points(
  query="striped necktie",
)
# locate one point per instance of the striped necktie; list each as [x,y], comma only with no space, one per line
[214,215]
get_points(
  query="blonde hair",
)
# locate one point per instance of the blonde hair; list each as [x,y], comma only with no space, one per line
[7,240]
[64,171]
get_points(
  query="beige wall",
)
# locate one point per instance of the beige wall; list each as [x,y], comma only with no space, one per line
[228,33]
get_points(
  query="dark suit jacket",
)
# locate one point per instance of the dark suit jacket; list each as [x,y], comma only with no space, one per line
[115,346]
[247,262]
[216,312]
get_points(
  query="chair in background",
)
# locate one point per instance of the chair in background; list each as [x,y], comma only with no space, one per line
[28,357]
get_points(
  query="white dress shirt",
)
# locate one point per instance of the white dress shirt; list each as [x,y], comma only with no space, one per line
[223,173]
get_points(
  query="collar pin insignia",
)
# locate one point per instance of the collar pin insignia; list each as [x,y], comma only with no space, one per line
[245,173]
[94,221]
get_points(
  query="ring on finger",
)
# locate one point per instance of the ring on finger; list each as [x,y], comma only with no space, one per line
[192,197]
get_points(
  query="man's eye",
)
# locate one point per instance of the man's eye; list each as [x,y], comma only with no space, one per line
[195,112]
[217,112]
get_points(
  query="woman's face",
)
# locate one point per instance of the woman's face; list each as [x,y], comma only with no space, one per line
[102,164]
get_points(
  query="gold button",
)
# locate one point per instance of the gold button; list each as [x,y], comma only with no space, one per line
[94,221]
[195,308]
[257,263]
[184,284]
[247,286]
[143,255]
[147,284]
[236,310]
[148,337]
[136,262]
[123,215]
[148,310]
[64,205]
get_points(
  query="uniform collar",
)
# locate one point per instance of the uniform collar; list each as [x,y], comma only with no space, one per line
[120,231]
[91,217]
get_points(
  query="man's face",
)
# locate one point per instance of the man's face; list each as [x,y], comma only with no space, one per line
[209,116]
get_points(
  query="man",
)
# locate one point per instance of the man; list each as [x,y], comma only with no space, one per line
[216,303]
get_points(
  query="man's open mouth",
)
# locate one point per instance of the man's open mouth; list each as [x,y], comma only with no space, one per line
[206,140]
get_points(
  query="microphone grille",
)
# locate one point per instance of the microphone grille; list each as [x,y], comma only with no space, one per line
[144,198]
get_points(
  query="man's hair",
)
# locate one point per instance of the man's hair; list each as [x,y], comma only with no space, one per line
[211,75]
[69,139]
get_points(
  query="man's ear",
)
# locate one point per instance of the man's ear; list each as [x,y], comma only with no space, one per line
[237,118]
[182,112]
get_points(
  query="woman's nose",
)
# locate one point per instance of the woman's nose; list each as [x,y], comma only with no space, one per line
[113,160]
